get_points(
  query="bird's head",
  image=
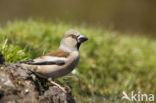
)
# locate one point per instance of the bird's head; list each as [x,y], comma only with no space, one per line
[72,40]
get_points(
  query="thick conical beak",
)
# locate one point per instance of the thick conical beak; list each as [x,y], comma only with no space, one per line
[82,38]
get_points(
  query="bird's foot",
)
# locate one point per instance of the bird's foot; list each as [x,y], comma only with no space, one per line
[58,86]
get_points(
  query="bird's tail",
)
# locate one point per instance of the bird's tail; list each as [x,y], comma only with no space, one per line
[26,61]
[31,67]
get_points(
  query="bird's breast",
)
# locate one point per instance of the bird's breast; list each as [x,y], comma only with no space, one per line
[70,65]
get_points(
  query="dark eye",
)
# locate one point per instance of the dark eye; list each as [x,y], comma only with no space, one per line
[74,36]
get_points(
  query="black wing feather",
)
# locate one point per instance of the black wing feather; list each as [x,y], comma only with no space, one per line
[32,62]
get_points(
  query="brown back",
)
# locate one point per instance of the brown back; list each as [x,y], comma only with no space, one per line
[58,53]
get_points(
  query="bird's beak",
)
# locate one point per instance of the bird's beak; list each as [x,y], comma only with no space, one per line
[82,38]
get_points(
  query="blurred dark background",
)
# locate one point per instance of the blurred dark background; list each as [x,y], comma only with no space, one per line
[122,15]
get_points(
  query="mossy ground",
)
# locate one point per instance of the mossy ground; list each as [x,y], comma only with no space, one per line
[110,62]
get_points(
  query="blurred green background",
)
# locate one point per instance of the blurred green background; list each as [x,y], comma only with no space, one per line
[122,15]
[113,60]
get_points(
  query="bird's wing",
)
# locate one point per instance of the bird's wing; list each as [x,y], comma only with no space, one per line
[58,57]
[48,60]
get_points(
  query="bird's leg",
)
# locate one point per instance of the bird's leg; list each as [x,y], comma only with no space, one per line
[57,85]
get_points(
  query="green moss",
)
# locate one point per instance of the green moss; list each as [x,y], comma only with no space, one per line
[110,62]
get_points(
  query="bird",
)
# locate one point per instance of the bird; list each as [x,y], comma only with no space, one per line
[58,62]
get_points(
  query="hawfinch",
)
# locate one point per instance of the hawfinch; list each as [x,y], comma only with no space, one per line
[59,62]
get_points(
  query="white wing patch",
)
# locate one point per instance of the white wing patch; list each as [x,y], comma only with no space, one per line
[50,59]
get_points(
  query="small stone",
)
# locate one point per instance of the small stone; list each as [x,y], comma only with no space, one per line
[26,91]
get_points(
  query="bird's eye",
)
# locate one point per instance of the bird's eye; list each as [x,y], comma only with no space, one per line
[74,36]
